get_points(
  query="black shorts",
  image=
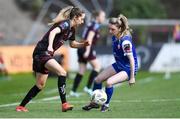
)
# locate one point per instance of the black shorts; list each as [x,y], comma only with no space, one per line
[39,60]
[81,59]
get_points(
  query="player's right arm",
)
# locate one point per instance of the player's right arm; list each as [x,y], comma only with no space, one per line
[52,35]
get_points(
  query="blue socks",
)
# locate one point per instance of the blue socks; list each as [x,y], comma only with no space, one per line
[97,86]
[109,92]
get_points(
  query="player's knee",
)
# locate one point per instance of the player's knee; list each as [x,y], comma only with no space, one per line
[97,80]
[41,84]
[81,72]
[97,68]
[109,83]
[62,73]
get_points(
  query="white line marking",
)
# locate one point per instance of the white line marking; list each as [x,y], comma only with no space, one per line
[8,105]
[146,80]
[142,81]
[117,101]
[52,91]
[49,100]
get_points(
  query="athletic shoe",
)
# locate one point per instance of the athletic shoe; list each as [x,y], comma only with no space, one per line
[104,108]
[21,109]
[90,106]
[74,94]
[88,90]
[66,106]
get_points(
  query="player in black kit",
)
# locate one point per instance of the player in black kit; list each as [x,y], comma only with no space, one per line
[63,29]
[88,53]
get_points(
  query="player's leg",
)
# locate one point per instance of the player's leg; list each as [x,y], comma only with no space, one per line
[117,78]
[104,75]
[77,80]
[54,66]
[82,68]
[40,83]
[96,68]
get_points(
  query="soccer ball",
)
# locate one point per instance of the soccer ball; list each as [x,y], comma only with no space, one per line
[99,96]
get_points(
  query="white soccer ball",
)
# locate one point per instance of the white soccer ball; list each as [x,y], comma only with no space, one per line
[99,96]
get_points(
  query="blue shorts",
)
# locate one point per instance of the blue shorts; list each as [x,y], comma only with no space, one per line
[119,69]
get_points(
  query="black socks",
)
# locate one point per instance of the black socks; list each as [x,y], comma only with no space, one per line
[62,88]
[35,90]
[31,94]
[91,78]
[77,81]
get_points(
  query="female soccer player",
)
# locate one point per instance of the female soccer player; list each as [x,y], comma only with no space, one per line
[88,54]
[125,66]
[63,29]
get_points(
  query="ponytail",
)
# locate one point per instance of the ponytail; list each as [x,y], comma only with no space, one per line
[124,24]
[63,14]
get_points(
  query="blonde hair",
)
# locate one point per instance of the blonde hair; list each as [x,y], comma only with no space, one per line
[66,13]
[121,22]
[63,14]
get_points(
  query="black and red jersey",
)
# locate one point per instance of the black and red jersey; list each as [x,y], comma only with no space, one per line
[92,26]
[67,33]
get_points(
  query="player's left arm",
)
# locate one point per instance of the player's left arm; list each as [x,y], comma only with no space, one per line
[91,34]
[132,78]
[77,44]
[127,48]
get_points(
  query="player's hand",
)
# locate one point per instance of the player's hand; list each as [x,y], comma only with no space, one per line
[132,81]
[86,43]
[50,50]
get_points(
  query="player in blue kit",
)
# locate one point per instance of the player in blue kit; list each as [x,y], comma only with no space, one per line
[125,66]
[62,29]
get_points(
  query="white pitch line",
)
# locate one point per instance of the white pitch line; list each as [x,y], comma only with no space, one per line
[51,91]
[50,98]
[14,104]
[114,101]
[8,105]
[55,90]
[142,81]
[146,80]
[85,101]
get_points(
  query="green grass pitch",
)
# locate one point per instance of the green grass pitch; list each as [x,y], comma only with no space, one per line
[151,97]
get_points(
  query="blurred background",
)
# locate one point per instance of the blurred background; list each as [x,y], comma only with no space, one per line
[156,35]
[155,25]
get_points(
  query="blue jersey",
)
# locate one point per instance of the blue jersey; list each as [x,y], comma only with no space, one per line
[121,48]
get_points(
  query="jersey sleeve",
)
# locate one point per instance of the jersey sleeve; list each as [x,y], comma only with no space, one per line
[127,47]
[72,37]
[64,25]
[93,27]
